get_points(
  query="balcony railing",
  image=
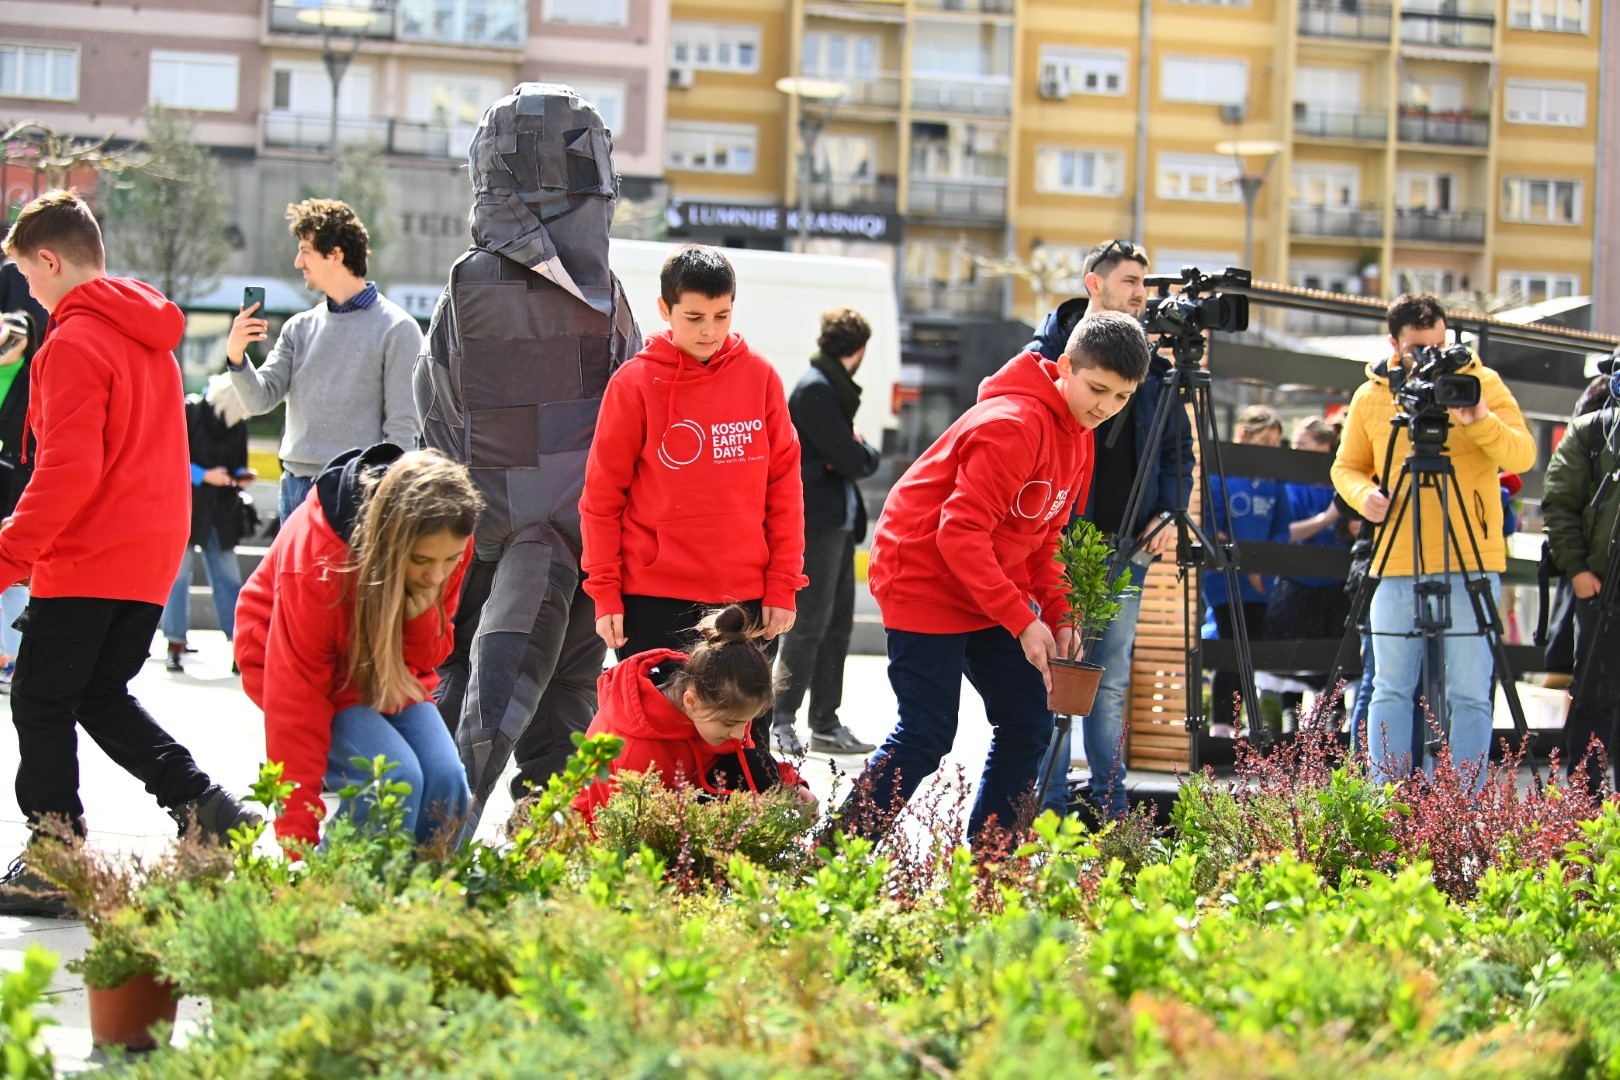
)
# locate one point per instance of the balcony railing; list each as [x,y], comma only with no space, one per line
[871,92]
[284,19]
[962,96]
[1445,129]
[409,137]
[1470,32]
[958,198]
[1467,227]
[986,7]
[1365,222]
[940,298]
[491,24]
[1334,124]
[1361,22]
[877,196]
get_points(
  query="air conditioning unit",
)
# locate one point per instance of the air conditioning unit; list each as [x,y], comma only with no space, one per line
[1054,87]
[1232,114]
[681,78]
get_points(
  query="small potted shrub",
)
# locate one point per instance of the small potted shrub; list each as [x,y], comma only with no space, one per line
[121,899]
[1083,557]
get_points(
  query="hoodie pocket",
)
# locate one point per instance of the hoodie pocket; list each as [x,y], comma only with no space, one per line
[711,551]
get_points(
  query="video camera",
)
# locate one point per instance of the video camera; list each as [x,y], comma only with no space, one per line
[1196,307]
[1432,384]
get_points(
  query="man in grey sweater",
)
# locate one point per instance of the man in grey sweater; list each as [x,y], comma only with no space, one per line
[343,366]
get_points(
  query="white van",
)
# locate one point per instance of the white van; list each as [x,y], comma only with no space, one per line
[780,298]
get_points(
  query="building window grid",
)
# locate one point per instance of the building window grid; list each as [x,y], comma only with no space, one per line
[45,72]
[1086,71]
[832,55]
[488,22]
[1063,171]
[1204,80]
[586,12]
[715,47]
[206,82]
[1562,16]
[713,149]
[1555,104]
[1541,202]
[1537,285]
[1198,178]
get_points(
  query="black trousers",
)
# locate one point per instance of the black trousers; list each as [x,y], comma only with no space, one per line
[1226,685]
[1594,709]
[659,622]
[813,651]
[77,657]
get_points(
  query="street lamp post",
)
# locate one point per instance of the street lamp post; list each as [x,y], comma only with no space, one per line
[338,19]
[1264,152]
[810,127]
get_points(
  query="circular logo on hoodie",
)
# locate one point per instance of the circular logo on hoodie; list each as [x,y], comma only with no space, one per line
[1030,502]
[682,444]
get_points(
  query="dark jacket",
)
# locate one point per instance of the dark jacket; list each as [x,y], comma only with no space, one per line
[1164,493]
[14,472]
[830,459]
[1579,500]
[214,444]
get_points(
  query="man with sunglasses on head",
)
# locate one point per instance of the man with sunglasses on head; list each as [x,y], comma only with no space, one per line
[1114,281]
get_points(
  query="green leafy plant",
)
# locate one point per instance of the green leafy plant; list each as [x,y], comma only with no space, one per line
[23,1053]
[1083,557]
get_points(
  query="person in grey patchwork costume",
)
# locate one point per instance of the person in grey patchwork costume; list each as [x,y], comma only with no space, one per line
[515,361]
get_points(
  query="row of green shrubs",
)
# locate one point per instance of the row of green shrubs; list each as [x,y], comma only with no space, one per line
[1293,923]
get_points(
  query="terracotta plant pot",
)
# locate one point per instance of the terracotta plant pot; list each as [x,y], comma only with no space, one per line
[1074,687]
[124,1015]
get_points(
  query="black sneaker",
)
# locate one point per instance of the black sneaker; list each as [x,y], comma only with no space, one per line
[840,740]
[787,741]
[174,663]
[25,891]
[217,812]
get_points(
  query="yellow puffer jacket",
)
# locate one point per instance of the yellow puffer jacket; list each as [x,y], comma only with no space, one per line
[1498,440]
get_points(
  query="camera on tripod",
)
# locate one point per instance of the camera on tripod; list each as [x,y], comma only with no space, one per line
[1197,307]
[1433,385]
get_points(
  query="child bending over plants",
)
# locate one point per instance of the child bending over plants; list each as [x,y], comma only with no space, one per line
[687,714]
[341,628]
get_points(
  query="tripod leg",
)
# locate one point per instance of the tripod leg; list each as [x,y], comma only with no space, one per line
[1051,768]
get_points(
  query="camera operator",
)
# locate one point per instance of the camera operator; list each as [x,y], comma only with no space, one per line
[1114,282]
[1481,439]
[1581,502]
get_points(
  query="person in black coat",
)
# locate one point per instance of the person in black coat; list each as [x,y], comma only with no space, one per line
[832,457]
[19,336]
[219,468]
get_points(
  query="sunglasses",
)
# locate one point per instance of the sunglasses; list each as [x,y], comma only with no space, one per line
[1125,249]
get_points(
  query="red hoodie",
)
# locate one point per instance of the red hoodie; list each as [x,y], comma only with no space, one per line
[692,488]
[656,734]
[294,618]
[967,536]
[108,511]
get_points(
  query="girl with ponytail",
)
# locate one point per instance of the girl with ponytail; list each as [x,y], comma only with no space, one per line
[341,628]
[687,714]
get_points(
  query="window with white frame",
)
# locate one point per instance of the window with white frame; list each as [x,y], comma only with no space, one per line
[1568,16]
[715,148]
[1336,187]
[1085,71]
[1331,89]
[829,55]
[607,96]
[1557,104]
[1065,171]
[1437,93]
[187,80]
[1206,80]
[482,22]
[305,89]
[39,71]
[1331,275]
[714,46]
[1171,260]
[1431,280]
[449,101]
[1541,202]
[588,12]
[1534,286]
[963,50]
[1421,189]
[1198,177]
[846,158]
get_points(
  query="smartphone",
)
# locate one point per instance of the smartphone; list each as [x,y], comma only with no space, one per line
[253,294]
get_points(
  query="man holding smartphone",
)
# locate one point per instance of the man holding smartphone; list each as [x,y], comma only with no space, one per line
[343,366]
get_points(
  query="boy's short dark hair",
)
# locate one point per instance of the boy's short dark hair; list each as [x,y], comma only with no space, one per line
[329,224]
[1102,259]
[1110,340]
[1419,310]
[696,268]
[61,222]
[844,332]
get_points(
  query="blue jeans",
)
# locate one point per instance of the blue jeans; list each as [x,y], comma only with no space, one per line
[12,602]
[224,581]
[1358,719]
[926,673]
[417,741]
[1399,662]
[1102,731]
[293,490]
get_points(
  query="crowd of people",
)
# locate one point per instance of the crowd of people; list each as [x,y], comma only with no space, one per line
[470,520]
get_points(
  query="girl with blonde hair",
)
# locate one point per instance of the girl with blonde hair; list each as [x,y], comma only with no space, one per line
[341,628]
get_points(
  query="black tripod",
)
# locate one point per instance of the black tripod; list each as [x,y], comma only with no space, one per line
[1428,468]
[1186,384]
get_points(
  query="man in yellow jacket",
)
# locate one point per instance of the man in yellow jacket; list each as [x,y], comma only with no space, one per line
[1482,439]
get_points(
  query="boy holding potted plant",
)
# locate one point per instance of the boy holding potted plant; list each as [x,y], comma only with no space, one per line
[964,575]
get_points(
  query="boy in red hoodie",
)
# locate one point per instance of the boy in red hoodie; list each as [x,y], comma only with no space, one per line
[692,492]
[99,530]
[963,572]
